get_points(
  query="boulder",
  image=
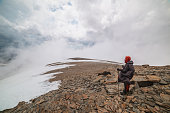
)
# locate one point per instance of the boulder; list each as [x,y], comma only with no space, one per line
[153,78]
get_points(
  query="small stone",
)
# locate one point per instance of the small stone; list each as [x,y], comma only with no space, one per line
[92,97]
[150,103]
[130,105]
[151,109]
[109,76]
[157,108]
[145,65]
[129,98]
[150,97]
[110,82]
[40,101]
[73,105]
[84,96]
[79,90]
[101,81]
[123,106]
[111,89]
[145,89]
[98,79]
[143,109]
[21,103]
[102,110]
[120,110]
[93,111]
[167,91]
[136,110]
[157,98]
[133,100]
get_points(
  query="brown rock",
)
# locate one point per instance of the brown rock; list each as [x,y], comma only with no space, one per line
[120,110]
[84,96]
[139,78]
[130,105]
[149,78]
[91,103]
[123,106]
[92,97]
[157,98]
[68,96]
[125,112]
[109,76]
[143,109]
[153,78]
[150,103]
[40,101]
[100,101]
[73,105]
[133,100]
[167,91]
[156,108]
[79,90]
[102,110]
[110,82]
[164,104]
[98,79]
[145,89]
[102,81]
[109,105]
[151,109]
[21,103]
[129,98]
[93,111]
[111,89]
[165,97]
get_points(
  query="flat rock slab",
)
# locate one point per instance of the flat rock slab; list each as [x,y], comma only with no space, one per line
[147,78]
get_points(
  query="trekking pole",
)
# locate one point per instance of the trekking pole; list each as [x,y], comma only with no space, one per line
[118,82]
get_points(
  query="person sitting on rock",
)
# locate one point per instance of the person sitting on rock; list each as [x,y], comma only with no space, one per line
[126,74]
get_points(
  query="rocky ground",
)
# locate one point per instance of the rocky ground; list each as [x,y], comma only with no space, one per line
[91,87]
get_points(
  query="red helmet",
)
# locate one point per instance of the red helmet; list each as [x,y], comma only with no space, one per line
[127,59]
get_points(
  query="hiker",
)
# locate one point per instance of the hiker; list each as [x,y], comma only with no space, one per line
[126,74]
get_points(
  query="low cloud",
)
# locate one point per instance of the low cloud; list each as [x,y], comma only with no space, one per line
[107,29]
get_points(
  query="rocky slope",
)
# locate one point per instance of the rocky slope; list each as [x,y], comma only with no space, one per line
[88,87]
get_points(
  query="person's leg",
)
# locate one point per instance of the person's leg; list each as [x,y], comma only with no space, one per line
[124,91]
[126,88]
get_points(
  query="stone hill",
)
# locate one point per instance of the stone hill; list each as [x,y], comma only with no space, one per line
[91,87]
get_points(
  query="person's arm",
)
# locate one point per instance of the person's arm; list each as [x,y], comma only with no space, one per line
[125,68]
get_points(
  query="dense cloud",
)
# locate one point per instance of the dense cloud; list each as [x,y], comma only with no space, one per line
[107,29]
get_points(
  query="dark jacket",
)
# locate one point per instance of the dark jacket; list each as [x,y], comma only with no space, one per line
[126,73]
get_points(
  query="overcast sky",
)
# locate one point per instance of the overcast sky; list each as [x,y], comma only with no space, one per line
[48,30]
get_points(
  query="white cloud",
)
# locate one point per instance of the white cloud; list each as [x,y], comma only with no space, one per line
[121,27]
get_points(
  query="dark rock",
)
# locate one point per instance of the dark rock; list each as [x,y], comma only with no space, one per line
[145,65]
[104,73]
